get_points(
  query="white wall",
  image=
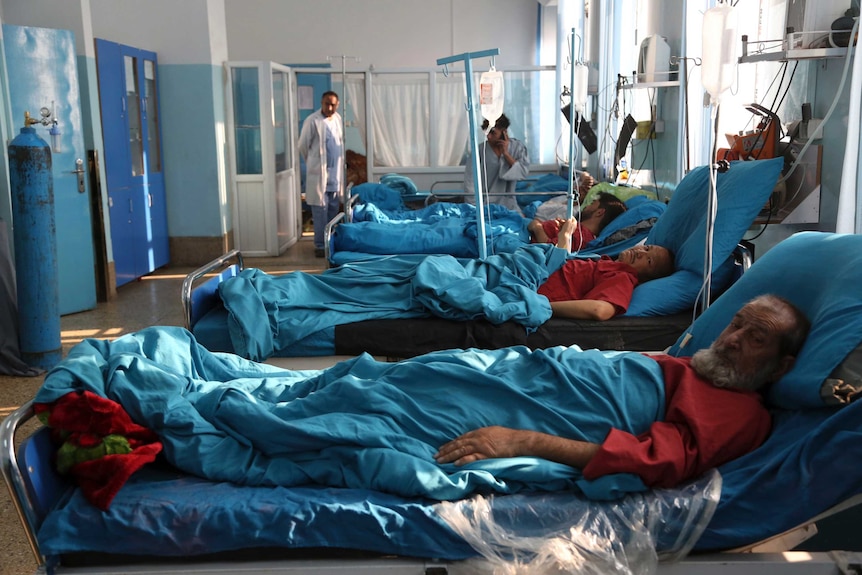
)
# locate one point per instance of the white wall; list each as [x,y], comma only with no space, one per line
[383,33]
[179,32]
[72,16]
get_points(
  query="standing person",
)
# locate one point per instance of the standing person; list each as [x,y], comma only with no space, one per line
[321,146]
[503,162]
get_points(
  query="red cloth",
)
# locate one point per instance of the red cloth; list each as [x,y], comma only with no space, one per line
[580,238]
[704,426]
[83,420]
[603,279]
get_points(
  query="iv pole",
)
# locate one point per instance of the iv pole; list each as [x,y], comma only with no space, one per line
[343,115]
[466,57]
[570,209]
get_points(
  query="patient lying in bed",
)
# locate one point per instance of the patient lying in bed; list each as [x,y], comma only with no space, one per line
[267,314]
[658,420]
[587,226]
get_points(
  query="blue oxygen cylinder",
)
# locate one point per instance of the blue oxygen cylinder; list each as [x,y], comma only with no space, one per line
[35,240]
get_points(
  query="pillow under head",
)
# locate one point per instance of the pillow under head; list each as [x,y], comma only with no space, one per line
[820,273]
[741,193]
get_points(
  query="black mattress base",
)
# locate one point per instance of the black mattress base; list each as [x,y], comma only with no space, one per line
[401,338]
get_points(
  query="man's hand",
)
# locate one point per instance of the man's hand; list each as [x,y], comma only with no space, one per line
[567,230]
[496,441]
[482,443]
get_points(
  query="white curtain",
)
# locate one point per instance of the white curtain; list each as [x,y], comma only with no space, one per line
[453,125]
[399,120]
[848,221]
[355,89]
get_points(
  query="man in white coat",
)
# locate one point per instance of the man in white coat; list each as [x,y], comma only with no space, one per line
[322,148]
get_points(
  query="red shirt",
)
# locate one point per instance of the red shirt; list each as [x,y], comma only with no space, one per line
[704,426]
[580,238]
[603,279]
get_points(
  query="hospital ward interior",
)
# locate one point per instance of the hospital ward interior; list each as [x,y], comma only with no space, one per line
[431,287]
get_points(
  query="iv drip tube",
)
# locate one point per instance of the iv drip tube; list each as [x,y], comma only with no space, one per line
[719,70]
[848,209]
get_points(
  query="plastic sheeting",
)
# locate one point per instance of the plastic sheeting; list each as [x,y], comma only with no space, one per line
[538,533]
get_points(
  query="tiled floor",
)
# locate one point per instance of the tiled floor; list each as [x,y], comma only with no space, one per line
[153,300]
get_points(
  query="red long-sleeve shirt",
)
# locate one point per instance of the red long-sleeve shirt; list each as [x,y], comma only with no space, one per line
[603,279]
[704,426]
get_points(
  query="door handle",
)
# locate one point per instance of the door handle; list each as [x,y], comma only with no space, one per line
[79,169]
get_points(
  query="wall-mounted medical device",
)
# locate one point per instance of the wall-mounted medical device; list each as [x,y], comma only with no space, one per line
[808,22]
[654,59]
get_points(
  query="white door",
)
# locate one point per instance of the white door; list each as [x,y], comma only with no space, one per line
[262,134]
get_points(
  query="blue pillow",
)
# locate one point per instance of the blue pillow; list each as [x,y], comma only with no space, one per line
[819,272]
[742,192]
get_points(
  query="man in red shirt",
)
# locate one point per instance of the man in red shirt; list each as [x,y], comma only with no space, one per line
[592,220]
[600,289]
[713,411]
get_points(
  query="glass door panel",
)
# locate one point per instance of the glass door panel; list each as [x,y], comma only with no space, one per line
[246,110]
[136,141]
[154,145]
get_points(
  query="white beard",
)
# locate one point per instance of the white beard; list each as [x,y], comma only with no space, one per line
[713,366]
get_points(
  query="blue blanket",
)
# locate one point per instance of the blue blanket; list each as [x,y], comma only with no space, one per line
[268,314]
[441,228]
[363,423]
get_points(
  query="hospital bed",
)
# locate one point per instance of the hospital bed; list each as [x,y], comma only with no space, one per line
[753,509]
[376,221]
[659,311]
[206,317]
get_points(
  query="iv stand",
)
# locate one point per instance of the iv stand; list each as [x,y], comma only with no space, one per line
[343,115]
[466,57]
[570,209]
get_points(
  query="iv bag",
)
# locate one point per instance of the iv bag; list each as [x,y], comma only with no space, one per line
[491,95]
[581,76]
[719,59]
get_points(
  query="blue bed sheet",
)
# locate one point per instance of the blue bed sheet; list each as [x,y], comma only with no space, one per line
[164,513]
[441,228]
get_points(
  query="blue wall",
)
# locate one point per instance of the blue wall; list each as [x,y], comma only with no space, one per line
[192,109]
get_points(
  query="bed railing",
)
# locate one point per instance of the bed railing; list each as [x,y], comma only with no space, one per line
[327,236]
[192,278]
[24,505]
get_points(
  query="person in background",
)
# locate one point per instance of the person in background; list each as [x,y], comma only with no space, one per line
[321,146]
[503,162]
[587,227]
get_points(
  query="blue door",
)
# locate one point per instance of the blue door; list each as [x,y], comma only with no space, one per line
[133,158]
[43,73]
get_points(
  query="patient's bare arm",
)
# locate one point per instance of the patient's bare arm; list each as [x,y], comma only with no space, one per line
[584,309]
[496,441]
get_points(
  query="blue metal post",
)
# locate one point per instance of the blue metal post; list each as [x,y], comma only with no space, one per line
[570,208]
[467,58]
[35,240]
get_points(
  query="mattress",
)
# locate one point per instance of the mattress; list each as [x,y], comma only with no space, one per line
[410,337]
